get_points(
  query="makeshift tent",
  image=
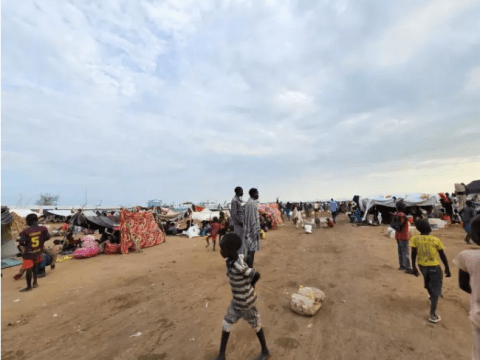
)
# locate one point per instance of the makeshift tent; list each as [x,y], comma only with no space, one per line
[474,187]
[138,228]
[387,204]
[276,211]
[92,222]
[169,215]
[9,247]
[205,215]
[57,215]
[24,212]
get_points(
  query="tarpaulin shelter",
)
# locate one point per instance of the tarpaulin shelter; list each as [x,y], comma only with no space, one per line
[57,215]
[473,187]
[272,212]
[138,228]
[387,204]
[169,215]
[92,222]
[24,212]
[205,215]
[9,247]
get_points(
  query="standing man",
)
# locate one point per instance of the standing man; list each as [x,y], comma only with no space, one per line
[237,217]
[252,227]
[334,210]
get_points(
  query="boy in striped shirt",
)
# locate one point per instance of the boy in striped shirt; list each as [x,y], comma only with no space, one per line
[242,281]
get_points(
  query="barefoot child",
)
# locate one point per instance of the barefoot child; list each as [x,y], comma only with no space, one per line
[428,248]
[32,239]
[468,262]
[242,281]
[214,228]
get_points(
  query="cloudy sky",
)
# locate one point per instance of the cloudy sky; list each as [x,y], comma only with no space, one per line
[184,100]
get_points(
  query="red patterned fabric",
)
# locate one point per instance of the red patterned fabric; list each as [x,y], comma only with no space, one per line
[111,249]
[84,253]
[278,215]
[141,226]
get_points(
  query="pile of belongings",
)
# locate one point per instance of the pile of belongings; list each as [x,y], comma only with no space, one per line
[89,248]
[307,301]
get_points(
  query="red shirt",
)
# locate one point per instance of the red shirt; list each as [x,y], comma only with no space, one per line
[32,239]
[404,233]
[214,228]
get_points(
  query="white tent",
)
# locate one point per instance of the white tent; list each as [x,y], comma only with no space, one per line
[205,215]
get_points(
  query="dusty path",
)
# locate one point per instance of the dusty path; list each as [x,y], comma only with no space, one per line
[176,294]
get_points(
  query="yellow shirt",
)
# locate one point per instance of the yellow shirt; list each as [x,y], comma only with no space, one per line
[427,249]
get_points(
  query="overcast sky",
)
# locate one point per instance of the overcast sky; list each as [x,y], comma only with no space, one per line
[185,100]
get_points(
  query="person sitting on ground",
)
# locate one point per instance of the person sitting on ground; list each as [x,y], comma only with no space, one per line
[32,240]
[428,248]
[468,262]
[242,281]
[214,228]
[329,223]
[171,229]
[69,244]
[468,213]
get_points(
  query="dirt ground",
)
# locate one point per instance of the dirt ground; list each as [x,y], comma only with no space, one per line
[176,295]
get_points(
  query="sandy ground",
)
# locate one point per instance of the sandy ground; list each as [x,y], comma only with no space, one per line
[176,295]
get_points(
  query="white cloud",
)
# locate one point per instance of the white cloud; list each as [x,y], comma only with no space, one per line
[135,97]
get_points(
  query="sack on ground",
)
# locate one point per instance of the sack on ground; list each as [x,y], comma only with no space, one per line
[308,301]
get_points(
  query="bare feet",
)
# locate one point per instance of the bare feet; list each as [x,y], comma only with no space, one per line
[263,356]
[26,289]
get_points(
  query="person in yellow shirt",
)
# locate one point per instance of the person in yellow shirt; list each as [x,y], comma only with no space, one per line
[428,248]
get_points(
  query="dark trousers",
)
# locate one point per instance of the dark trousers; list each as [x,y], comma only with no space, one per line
[334,216]
[250,258]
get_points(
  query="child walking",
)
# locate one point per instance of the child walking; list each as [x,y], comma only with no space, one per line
[214,228]
[428,248]
[402,236]
[242,281]
[32,240]
[468,262]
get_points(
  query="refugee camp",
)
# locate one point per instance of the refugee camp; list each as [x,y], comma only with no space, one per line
[238,179]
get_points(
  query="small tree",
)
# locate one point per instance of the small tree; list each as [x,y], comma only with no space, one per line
[47,199]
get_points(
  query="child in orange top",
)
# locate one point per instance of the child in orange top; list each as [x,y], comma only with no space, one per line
[214,228]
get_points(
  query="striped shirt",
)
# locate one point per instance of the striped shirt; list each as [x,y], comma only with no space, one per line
[240,276]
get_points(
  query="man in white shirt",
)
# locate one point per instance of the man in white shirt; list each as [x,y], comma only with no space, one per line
[468,262]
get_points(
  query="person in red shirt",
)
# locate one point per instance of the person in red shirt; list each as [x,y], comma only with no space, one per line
[214,228]
[403,236]
[32,240]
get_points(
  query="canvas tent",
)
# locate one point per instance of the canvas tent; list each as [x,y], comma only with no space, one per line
[24,212]
[387,204]
[92,222]
[474,187]
[205,215]
[138,229]
[9,247]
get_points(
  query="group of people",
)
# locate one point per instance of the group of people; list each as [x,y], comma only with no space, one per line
[238,246]
[426,250]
